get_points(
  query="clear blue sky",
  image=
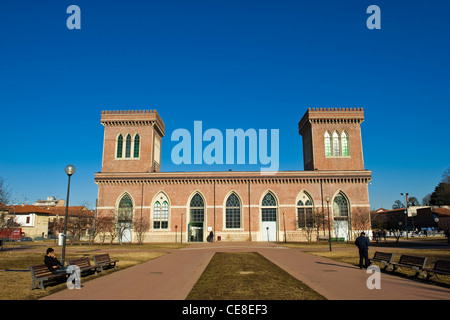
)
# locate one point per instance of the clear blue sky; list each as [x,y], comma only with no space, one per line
[231,64]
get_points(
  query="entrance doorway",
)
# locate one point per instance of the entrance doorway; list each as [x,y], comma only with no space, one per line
[269,210]
[197,218]
[196,232]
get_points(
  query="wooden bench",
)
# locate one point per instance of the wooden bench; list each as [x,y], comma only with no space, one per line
[384,257]
[40,273]
[413,262]
[84,264]
[440,267]
[104,261]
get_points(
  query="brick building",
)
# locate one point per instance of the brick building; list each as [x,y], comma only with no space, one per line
[235,205]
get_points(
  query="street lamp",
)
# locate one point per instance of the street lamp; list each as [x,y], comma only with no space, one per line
[70,170]
[329,225]
[406,214]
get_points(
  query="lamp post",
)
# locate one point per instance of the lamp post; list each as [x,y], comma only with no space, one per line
[406,214]
[70,170]
[329,224]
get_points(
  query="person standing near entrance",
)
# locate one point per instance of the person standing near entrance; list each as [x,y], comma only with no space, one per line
[363,243]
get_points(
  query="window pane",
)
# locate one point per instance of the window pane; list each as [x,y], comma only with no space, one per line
[340,206]
[344,142]
[125,212]
[128,147]
[327,144]
[233,212]
[119,146]
[157,216]
[269,214]
[269,201]
[136,146]
[165,215]
[197,209]
[336,147]
[301,217]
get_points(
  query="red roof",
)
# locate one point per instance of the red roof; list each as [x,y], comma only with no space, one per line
[53,211]
[442,212]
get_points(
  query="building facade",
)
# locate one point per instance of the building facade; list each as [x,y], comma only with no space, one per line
[234,205]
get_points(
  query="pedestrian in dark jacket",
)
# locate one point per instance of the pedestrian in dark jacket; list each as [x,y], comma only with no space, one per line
[363,243]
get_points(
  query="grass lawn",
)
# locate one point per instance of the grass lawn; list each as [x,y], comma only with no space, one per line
[15,285]
[248,276]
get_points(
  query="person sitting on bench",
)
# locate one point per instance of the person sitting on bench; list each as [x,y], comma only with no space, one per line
[56,267]
[52,263]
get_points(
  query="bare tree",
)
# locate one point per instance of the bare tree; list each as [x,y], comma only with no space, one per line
[105,225]
[141,225]
[5,192]
[360,220]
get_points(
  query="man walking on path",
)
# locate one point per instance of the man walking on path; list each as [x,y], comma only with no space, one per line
[362,242]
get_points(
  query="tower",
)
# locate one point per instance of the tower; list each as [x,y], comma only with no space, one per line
[132,141]
[332,139]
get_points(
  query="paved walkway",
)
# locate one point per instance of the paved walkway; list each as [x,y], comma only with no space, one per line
[172,276]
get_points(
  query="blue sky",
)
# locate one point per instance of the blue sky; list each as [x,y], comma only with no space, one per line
[230,64]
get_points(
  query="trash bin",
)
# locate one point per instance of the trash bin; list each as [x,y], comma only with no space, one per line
[60,239]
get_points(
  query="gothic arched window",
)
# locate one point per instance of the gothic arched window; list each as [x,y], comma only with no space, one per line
[128,146]
[119,148]
[327,138]
[136,146]
[233,212]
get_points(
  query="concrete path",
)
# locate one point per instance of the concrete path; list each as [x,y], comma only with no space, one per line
[172,276]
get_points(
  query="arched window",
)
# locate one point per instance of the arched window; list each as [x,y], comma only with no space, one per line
[125,209]
[344,143]
[269,208]
[305,212]
[340,207]
[136,146]
[119,146]
[327,138]
[336,144]
[125,219]
[197,209]
[161,215]
[128,146]
[233,212]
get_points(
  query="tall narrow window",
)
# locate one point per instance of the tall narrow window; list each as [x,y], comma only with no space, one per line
[327,138]
[336,144]
[165,215]
[161,215]
[233,212]
[269,208]
[136,146]
[125,209]
[119,146]
[305,212]
[157,215]
[125,219]
[340,207]
[344,143]
[128,147]
[197,208]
